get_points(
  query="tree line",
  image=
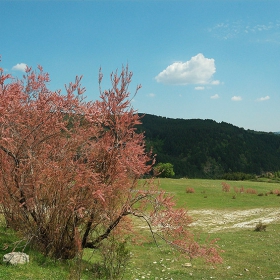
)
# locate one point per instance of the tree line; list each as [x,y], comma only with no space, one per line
[208,149]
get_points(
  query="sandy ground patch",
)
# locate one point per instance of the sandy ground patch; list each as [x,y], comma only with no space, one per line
[216,220]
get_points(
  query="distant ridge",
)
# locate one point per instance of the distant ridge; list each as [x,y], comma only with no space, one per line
[206,148]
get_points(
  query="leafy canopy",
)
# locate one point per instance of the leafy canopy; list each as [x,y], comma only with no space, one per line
[164,170]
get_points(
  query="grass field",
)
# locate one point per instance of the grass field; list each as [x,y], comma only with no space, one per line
[230,216]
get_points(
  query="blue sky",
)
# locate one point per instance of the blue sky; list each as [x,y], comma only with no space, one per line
[206,59]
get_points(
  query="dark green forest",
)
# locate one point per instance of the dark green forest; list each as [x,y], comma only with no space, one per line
[208,149]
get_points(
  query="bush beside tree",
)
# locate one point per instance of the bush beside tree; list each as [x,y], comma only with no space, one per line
[164,170]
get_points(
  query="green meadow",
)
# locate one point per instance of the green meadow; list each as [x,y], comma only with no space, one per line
[231,217]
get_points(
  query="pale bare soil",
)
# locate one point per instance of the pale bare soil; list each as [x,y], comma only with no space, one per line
[229,220]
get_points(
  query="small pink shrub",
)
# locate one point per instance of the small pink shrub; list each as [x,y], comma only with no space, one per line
[236,189]
[276,191]
[225,187]
[251,191]
[190,190]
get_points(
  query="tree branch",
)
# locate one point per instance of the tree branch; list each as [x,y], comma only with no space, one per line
[9,153]
[94,244]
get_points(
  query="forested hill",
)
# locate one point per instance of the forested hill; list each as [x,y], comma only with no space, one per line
[205,148]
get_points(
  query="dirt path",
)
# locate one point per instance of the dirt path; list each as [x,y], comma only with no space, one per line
[216,220]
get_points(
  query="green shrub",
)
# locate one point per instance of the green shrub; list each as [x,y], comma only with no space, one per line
[238,176]
[114,259]
[164,170]
[260,227]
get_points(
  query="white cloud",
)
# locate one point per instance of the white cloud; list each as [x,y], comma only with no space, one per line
[263,98]
[151,95]
[20,67]
[199,88]
[215,96]
[236,98]
[198,70]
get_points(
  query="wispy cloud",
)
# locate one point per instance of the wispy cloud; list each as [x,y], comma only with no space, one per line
[199,88]
[236,98]
[215,83]
[233,29]
[198,70]
[19,67]
[215,96]
[151,95]
[263,98]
